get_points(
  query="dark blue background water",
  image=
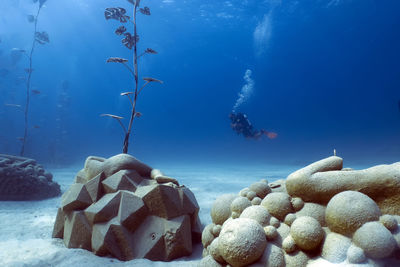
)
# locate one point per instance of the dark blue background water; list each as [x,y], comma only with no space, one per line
[326,75]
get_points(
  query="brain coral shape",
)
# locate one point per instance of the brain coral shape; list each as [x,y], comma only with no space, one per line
[307,233]
[376,241]
[241,241]
[348,210]
[258,213]
[278,204]
[221,208]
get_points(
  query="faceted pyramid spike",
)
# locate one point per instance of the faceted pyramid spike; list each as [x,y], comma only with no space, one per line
[112,238]
[191,207]
[157,252]
[134,176]
[196,227]
[76,198]
[189,202]
[161,200]
[132,210]
[104,209]
[178,240]
[80,177]
[77,231]
[58,230]
[95,188]
[119,181]
[150,236]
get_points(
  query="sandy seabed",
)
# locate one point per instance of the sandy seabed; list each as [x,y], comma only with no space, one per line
[26,226]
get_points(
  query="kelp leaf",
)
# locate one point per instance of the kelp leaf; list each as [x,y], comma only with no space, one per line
[31,18]
[145,11]
[42,37]
[126,93]
[34,1]
[112,116]
[120,30]
[13,105]
[129,41]
[117,13]
[131,1]
[116,60]
[150,79]
[150,51]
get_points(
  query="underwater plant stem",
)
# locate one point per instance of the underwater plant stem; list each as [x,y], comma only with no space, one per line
[130,100]
[122,125]
[143,87]
[28,85]
[135,67]
[130,70]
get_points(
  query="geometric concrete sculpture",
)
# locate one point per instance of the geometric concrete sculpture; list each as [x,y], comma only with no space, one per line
[103,210]
[77,231]
[58,230]
[135,212]
[95,187]
[23,179]
[76,198]
[111,238]
[176,242]
[320,215]
[122,180]
[131,211]
[161,200]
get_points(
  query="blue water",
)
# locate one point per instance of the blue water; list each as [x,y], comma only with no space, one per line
[326,76]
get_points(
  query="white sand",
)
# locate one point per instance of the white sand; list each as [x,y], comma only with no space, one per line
[26,227]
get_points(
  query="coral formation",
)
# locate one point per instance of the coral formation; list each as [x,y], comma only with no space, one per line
[23,179]
[121,207]
[319,214]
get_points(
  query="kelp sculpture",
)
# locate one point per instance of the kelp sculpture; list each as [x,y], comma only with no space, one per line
[130,40]
[40,38]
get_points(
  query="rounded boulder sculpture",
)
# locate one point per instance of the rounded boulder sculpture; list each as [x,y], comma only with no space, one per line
[241,242]
[321,215]
[307,233]
[348,210]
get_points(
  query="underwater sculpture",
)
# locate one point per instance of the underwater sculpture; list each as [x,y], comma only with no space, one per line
[119,206]
[40,38]
[123,208]
[130,41]
[381,183]
[322,214]
[23,179]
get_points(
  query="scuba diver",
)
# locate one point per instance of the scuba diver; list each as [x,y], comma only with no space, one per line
[241,125]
